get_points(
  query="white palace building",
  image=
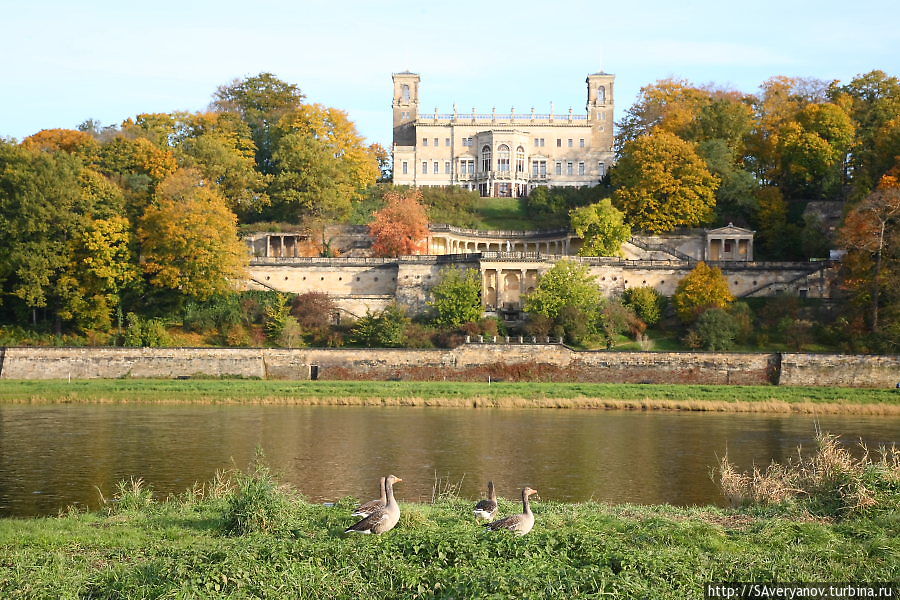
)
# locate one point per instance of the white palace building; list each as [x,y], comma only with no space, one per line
[502,155]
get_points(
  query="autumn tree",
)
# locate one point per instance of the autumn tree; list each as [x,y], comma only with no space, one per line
[261,101]
[189,239]
[400,228]
[456,299]
[661,183]
[601,227]
[872,231]
[49,204]
[703,288]
[80,143]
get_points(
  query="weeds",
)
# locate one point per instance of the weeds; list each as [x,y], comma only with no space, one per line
[445,489]
[830,482]
[256,503]
[130,495]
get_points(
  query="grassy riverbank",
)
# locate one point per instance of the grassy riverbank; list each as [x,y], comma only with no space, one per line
[189,548]
[819,400]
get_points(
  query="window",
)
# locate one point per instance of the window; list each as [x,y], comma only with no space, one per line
[559,142]
[570,168]
[437,142]
[503,158]
[534,168]
[405,167]
[424,141]
[537,142]
[543,168]
[602,116]
[424,168]
[404,92]
[404,114]
[601,95]
[520,159]
[581,143]
[467,141]
[485,159]
[581,168]
[570,142]
[601,167]
[447,167]
[436,168]
[447,142]
[539,168]
[541,140]
[559,167]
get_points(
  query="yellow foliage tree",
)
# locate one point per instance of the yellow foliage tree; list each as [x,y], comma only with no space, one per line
[662,183]
[703,288]
[189,239]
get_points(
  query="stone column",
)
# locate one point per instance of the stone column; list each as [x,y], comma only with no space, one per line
[500,284]
[268,246]
[521,289]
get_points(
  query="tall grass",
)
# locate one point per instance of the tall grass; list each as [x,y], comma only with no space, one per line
[829,482]
[256,503]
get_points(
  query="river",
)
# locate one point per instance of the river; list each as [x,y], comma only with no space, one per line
[52,456]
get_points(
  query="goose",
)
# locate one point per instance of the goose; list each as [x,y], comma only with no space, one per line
[381,519]
[364,510]
[518,524]
[486,509]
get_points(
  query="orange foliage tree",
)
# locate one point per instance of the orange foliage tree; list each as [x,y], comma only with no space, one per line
[400,228]
[871,233]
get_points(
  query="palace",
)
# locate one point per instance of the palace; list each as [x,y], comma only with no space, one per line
[502,155]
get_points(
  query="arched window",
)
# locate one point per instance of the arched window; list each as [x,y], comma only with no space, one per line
[404,90]
[503,158]
[485,159]
[520,159]
[601,94]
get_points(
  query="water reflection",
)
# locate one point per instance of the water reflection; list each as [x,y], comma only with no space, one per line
[52,456]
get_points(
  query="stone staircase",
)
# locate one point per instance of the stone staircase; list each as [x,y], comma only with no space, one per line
[645,245]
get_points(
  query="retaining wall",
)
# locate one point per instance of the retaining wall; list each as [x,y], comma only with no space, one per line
[468,362]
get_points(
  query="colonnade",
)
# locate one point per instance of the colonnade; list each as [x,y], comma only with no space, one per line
[506,288]
[455,246]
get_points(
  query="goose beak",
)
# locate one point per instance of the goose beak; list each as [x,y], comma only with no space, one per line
[398,480]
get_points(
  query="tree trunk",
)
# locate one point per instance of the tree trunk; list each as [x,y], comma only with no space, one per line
[877,282]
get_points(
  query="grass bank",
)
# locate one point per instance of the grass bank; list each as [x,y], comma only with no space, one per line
[188,548]
[818,400]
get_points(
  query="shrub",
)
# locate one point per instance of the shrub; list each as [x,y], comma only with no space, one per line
[384,329]
[716,329]
[743,318]
[646,303]
[574,324]
[540,325]
[418,336]
[219,313]
[617,319]
[314,311]
[281,327]
[145,332]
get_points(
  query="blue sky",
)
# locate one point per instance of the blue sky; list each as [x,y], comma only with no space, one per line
[62,62]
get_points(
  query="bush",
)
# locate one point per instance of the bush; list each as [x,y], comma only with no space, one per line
[384,329]
[456,299]
[540,326]
[281,327]
[217,314]
[574,324]
[145,332]
[315,311]
[646,303]
[743,318]
[716,329]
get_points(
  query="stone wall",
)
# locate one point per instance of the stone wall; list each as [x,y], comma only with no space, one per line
[474,362]
[845,370]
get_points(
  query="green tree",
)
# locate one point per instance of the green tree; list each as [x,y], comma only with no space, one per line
[715,329]
[662,183]
[566,283]
[601,227]
[261,101]
[456,299]
[48,202]
[646,302]
[383,329]
[703,288]
[189,239]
